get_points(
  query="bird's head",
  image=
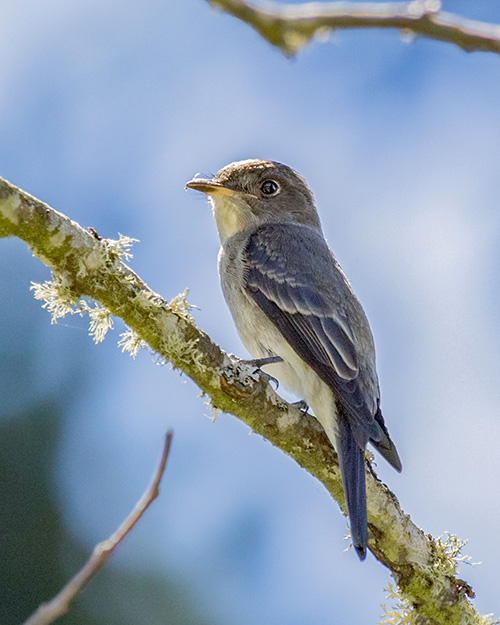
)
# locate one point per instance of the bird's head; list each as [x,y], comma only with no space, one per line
[248,193]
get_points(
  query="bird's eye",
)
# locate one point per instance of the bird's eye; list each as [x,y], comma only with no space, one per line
[270,187]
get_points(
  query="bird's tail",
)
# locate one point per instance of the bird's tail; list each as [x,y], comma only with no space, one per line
[352,467]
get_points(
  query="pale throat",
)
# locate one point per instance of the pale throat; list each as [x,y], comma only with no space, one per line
[232,214]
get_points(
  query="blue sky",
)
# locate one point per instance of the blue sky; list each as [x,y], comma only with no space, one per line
[106,110]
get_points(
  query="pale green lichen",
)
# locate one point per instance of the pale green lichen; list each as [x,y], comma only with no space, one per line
[180,350]
[449,552]
[419,8]
[58,238]
[100,322]
[447,555]
[214,411]
[57,299]
[147,299]
[295,40]
[59,302]
[400,613]
[91,261]
[120,248]
[9,209]
[323,34]
[131,342]
[407,35]
[181,307]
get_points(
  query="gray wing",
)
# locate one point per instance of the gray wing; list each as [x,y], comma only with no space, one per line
[287,274]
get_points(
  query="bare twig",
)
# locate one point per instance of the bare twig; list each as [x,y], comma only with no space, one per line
[291,27]
[85,264]
[59,605]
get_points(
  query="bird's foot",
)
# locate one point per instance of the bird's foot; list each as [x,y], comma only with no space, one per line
[240,377]
[302,405]
[258,363]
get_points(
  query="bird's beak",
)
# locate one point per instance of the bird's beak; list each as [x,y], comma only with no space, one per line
[208,186]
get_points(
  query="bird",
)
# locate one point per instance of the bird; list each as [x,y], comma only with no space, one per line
[291,301]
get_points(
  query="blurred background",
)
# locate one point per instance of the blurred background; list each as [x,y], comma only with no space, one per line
[107,108]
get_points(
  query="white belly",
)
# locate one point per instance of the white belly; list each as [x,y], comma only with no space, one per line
[293,373]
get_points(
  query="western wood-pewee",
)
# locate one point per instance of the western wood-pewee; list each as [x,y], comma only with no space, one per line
[290,298]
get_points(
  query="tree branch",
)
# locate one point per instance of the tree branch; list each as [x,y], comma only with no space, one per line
[59,605]
[291,27]
[84,264]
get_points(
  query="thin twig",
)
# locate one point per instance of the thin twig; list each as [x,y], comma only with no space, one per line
[291,27]
[59,605]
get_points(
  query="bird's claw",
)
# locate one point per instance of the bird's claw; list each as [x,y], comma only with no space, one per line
[261,362]
[270,378]
[302,405]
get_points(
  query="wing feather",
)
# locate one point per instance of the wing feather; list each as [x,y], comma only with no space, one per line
[317,330]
